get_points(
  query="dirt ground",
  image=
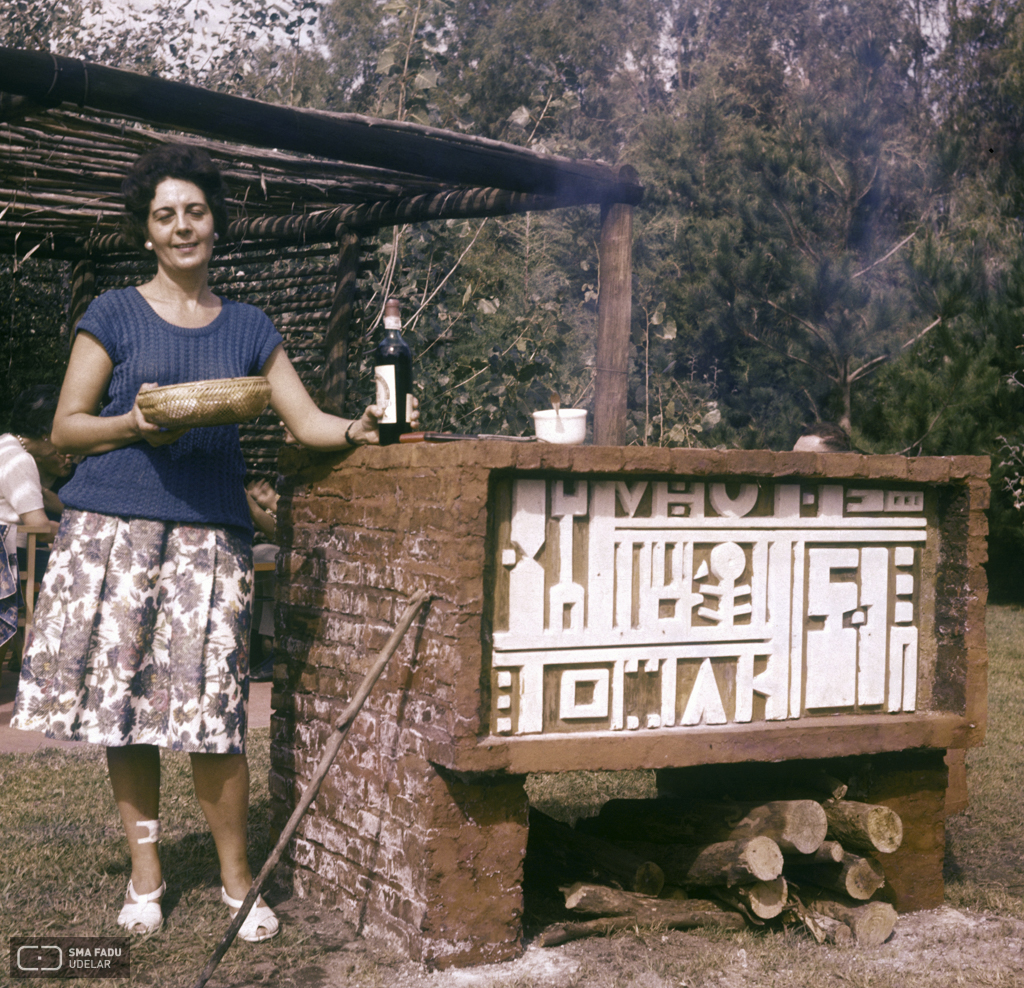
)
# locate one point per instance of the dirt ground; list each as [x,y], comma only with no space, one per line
[936,948]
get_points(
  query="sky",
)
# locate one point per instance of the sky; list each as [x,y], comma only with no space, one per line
[218,10]
[209,17]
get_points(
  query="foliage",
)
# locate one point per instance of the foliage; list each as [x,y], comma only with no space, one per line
[33,320]
[491,336]
[789,194]
[42,24]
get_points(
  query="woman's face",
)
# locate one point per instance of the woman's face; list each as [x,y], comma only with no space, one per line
[180,226]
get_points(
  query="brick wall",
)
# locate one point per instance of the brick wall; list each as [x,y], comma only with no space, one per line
[420,829]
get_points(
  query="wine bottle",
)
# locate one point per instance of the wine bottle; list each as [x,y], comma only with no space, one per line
[393,375]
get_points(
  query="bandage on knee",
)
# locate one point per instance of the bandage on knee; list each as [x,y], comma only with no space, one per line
[152,828]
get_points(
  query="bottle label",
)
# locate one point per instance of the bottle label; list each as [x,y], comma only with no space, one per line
[393,322]
[386,393]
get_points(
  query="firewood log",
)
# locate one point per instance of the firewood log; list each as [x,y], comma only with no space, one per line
[601,900]
[864,827]
[565,855]
[825,929]
[830,852]
[871,923]
[827,785]
[558,933]
[763,900]
[734,862]
[854,876]
[797,825]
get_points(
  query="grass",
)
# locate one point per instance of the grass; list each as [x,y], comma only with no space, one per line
[64,866]
[985,844]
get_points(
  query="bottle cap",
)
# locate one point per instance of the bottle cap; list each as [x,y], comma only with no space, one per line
[392,314]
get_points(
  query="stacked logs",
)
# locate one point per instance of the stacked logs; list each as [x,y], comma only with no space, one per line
[683,863]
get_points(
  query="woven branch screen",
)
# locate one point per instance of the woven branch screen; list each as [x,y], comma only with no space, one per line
[60,179]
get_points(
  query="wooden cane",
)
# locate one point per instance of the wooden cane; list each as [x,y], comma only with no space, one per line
[341,728]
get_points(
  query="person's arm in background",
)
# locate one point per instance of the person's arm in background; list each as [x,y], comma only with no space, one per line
[264,495]
[52,504]
[264,521]
[37,518]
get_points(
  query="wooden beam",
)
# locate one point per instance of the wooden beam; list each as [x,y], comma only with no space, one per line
[842,735]
[461,204]
[335,379]
[329,224]
[614,314]
[411,148]
[322,226]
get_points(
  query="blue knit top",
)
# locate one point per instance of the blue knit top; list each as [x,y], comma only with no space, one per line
[200,477]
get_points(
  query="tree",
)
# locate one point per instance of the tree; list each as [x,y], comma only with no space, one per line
[796,175]
[48,25]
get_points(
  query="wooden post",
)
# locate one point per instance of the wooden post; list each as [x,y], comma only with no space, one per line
[335,378]
[614,311]
[83,291]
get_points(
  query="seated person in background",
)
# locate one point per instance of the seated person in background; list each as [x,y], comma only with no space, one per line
[822,438]
[26,455]
[29,463]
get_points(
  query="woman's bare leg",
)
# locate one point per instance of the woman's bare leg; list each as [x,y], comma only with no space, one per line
[135,777]
[222,788]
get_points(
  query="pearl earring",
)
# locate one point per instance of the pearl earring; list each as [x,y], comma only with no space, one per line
[216,235]
[149,245]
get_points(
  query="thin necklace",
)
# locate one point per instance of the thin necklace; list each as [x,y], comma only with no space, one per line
[22,443]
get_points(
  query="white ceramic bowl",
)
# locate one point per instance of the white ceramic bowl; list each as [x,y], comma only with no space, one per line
[569,425]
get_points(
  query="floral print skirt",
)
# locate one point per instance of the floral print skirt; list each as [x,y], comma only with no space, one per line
[141,636]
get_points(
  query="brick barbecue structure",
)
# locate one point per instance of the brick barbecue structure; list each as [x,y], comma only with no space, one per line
[705,614]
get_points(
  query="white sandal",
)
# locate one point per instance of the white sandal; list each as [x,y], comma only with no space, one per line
[261,917]
[142,913]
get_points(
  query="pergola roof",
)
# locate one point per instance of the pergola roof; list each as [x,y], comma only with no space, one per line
[70,129]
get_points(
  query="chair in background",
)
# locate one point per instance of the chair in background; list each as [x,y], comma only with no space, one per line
[29,582]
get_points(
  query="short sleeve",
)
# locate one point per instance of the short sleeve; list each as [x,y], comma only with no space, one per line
[269,339]
[98,321]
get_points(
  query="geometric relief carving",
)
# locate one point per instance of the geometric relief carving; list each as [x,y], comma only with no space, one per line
[831,651]
[728,563]
[567,597]
[668,604]
[705,701]
[584,693]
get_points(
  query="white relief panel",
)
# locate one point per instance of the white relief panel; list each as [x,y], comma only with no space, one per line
[668,604]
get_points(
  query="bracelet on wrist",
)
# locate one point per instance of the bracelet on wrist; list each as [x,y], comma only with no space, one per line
[348,438]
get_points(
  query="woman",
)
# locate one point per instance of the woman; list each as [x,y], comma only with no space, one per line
[142,628]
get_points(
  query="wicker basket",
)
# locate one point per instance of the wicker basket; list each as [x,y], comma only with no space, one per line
[223,401]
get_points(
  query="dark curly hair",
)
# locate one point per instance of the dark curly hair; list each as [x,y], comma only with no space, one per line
[182,161]
[33,410]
